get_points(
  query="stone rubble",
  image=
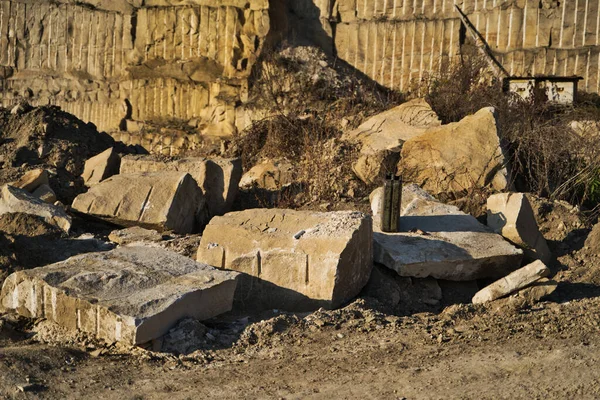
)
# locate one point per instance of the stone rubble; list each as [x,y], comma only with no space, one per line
[157,200]
[217,177]
[513,282]
[511,215]
[15,200]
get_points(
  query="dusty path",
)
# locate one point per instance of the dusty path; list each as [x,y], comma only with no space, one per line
[551,351]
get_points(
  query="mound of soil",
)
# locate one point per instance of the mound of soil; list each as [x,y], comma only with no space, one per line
[47,137]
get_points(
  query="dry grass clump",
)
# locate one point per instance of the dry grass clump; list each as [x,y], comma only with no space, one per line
[306,102]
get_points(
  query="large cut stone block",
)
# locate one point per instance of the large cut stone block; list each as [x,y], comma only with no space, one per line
[219,178]
[158,200]
[15,200]
[511,215]
[131,294]
[438,240]
[292,259]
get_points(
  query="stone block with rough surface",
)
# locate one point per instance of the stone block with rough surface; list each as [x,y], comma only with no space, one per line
[511,215]
[438,240]
[292,260]
[31,180]
[156,200]
[15,200]
[131,294]
[217,177]
[455,157]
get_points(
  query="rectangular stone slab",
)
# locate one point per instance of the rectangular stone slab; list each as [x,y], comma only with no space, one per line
[158,200]
[131,294]
[219,178]
[438,240]
[292,260]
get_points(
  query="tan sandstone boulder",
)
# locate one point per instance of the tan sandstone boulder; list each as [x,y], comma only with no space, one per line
[457,156]
[513,282]
[31,180]
[157,200]
[15,200]
[511,215]
[131,294]
[217,177]
[381,137]
[269,175]
[101,167]
[292,260]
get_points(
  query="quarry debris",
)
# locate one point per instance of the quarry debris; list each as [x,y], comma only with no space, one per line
[269,175]
[511,215]
[45,193]
[217,177]
[381,137]
[513,282]
[101,167]
[166,200]
[324,267]
[131,294]
[440,241]
[455,157]
[31,180]
[15,200]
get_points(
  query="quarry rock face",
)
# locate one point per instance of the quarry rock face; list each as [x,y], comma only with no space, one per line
[381,137]
[167,200]
[112,61]
[399,44]
[292,260]
[439,241]
[513,282]
[131,294]
[101,167]
[15,200]
[217,177]
[511,215]
[454,157]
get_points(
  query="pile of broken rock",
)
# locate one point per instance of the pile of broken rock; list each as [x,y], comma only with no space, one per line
[248,260]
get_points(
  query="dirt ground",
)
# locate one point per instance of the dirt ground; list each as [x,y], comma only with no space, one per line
[368,349]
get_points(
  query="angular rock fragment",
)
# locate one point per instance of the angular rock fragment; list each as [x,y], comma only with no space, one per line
[15,200]
[454,157]
[31,180]
[156,200]
[131,294]
[101,167]
[513,282]
[45,193]
[292,260]
[439,241]
[269,175]
[381,137]
[134,234]
[218,177]
[511,215]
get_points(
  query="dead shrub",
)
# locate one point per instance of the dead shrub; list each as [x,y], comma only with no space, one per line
[547,156]
[307,101]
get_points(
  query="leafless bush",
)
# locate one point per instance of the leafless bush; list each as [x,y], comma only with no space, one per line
[548,157]
[306,104]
